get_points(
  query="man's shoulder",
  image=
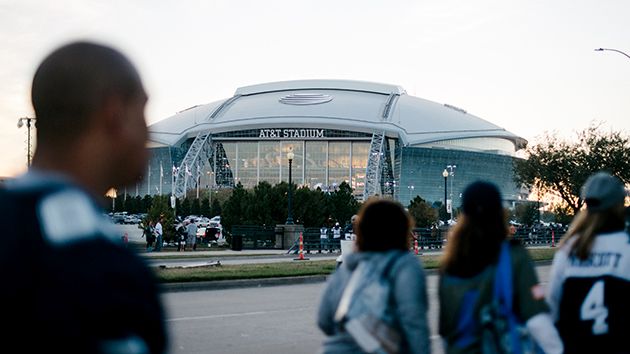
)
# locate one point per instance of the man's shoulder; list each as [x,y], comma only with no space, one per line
[64,211]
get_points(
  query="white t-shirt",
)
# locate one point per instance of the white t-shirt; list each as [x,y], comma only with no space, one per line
[336,232]
[158,229]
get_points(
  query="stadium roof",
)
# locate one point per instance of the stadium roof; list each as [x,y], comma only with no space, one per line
[330,104]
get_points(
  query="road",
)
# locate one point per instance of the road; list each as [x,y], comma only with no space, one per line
[278,319]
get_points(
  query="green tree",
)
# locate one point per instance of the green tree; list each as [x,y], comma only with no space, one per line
[215,208]
[147,202]
[560,166]
[195,207]
[160,208]
[184,207]
[205,207]
[234,208]
[562,213]
[310,207]
[526,213]
[264,202]
[422,212]
[341,204]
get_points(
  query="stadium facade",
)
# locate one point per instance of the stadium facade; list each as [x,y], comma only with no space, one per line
[373,136]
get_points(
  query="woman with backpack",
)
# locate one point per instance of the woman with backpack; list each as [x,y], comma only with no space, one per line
[377,301]
[488,288]
[589,284]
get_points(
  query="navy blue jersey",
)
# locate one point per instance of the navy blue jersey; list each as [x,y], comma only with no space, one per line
[589,298]
[69,283]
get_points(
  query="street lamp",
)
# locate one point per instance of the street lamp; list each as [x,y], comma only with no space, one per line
[445,175]
[21,123]
[290,156]
[451,172]
[612,50]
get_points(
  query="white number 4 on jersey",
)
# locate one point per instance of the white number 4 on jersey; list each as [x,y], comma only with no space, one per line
[593,308]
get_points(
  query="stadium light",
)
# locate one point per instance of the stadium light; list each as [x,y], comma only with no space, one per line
[445,175]
[290,156]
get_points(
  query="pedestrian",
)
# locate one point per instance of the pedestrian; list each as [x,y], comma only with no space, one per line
[479,257]
[158,232]
[73,287]
[191,239]
[382,265]
[589,284]
[350,233]
[336,235]
[180,235]
[147,233]
[323,238]
[151,237]
[125,240]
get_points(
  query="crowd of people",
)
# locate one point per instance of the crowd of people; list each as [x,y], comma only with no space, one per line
[490,297]
[84,292]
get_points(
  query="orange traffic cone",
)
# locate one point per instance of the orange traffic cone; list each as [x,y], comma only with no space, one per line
[301,252]
[415,246]
[553,239]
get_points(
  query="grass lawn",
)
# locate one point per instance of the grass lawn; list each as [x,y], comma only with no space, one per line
[289,269]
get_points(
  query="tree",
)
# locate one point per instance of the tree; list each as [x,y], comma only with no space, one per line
[526,213]
[310,207]
[234,208]
[341,204]
[195,208]
[160,208]
[559,166]
[184,207]
[215,209]
[147,201]
[422,212]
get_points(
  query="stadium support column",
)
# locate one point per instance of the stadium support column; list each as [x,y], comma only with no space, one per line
[29,121]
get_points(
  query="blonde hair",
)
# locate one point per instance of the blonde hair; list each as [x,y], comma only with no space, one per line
[588,224]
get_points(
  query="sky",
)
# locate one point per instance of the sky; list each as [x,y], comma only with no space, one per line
[528,66]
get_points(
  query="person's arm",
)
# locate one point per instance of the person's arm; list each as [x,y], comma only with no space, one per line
[329,301]
[545,334]
[531,306]
[410,295]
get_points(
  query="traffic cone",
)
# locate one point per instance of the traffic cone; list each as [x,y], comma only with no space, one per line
[415,246]
[553,238]
[301,252]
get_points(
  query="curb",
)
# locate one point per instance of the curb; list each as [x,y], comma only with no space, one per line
[265,282]
[240,283]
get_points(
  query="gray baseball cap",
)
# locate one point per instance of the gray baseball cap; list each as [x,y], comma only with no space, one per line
[603,191]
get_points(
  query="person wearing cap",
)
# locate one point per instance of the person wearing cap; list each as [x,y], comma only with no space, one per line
[589,283]
[336,235]
[467,276]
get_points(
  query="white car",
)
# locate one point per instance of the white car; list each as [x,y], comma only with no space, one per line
[218,238]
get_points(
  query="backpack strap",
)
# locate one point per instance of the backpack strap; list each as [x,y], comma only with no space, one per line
[504,294]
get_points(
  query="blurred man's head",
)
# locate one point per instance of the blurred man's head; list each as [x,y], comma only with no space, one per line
[87,95]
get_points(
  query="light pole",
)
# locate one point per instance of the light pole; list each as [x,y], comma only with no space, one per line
[451,172]
[20,123]
[445,175]
[612,50]
[289,221]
